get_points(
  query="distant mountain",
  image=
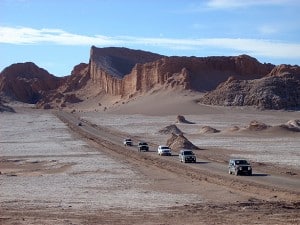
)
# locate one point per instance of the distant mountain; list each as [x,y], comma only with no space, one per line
[26,82]
[123,72]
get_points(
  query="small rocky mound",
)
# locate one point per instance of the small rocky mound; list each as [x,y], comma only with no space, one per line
[57,100]
[5,108]
[171,129]
[177,142]
[257,126]
[292,125]
[181,119]
[208,130]
[233,129]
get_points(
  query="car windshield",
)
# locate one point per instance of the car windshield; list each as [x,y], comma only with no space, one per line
[188,153]
[241,162]
[165,148]
[143,143]
[127,139]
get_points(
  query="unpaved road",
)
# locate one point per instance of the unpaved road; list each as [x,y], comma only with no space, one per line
[99,181]
[214,172]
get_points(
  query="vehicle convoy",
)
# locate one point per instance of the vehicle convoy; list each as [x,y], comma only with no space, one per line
[239,167]
[127,142]
[143,146]
[164,150]
[186,155]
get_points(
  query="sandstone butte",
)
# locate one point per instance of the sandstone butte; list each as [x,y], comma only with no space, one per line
[126,72]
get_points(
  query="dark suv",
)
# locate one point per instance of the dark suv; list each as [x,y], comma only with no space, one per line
[239,167]
[143,146]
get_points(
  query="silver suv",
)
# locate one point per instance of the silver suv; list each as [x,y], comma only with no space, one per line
[187,156]
[239,166]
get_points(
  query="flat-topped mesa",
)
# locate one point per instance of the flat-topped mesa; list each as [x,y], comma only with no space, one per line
[122,71]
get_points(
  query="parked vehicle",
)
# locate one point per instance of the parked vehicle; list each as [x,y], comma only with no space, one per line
[127,142]
[186,155]
[143,146]
[239,167]
[164,150]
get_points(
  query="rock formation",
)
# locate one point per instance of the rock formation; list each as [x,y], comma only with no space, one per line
[4,107]
[119,72]
[26,82]
[208,130]
[177,142]
[257,126]
[181,119]
[281,91]
[124,73]
[292,125]
[171,129]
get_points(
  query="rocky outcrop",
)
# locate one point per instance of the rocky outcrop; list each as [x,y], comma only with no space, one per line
[177,142]
[208,130]
[271,92]
[257,126]
[171,129]
[181,119]
[284,69]
[107,68]
[4,107]
[26,82]
[292,125]
[78,79]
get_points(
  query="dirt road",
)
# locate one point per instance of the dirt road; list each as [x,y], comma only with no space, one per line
[280,186]
[96,180]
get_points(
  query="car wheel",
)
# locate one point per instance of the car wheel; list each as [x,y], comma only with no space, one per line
[229,171]
[236,173]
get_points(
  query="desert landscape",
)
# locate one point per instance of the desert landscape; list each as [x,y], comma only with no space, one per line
[62,158]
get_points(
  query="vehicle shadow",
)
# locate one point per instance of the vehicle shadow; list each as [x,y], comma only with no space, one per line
[203,162]
[260,174]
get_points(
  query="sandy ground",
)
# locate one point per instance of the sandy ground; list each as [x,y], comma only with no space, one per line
[144,117]
[50,174]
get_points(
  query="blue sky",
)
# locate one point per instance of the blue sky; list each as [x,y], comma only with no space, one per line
[58,34]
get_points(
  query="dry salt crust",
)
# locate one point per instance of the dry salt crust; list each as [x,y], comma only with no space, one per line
[259,147]
[93,181]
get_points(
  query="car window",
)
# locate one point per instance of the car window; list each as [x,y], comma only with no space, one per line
[188,153]
[240,162]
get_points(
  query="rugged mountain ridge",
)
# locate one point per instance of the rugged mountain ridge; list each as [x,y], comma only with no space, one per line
[196,73]
[233,80]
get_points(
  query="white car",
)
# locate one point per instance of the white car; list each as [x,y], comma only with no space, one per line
[127,142]
[164,150]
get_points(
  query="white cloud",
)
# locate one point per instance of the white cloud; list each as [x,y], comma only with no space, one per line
[254,47]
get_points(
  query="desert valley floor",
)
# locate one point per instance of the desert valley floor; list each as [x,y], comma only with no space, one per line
[56,172]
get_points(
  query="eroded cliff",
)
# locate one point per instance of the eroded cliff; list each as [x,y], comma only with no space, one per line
[142,73]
